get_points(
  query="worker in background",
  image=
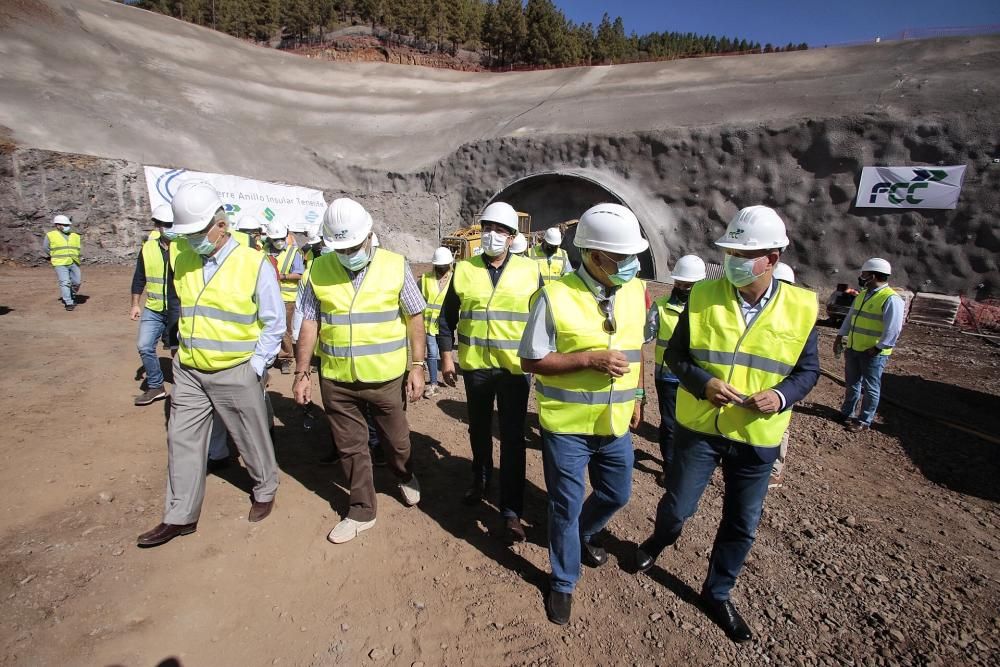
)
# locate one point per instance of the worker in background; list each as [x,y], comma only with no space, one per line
[154,275]
[287,261]
[62,249]
[248,232]
[434,285]
[229,331]
[363,305]
[487,303]
[553,261]
[660,323]
[313,247]
[519,245]
[784,273]
[871,328]
[745,353]
[583,342]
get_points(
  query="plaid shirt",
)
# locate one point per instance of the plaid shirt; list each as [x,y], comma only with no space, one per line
[411,301]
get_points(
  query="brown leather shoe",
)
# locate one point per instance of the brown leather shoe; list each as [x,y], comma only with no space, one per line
[163,533]
[515,531]
[259,511]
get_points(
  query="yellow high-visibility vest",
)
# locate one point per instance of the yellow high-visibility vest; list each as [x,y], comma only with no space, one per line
[362,335]
[867,325]
[63,249]
[669,313]
[156,276]
[244,240]
[434,296]
[586,401]
[285,260]
[491,320]
[751,359]
[218,328]
[551,268]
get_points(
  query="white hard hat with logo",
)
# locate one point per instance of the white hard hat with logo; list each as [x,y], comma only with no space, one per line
[442,257]
[500,213]
[519,244]
[553,236]
[784,272]
[689,269]
[877,265]
[163,215]
[61,220]
[612,228]
[346,224]
[194,206]
[248,223]
[754,228]
[277,230]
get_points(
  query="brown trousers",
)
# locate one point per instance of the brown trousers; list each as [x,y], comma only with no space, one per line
[344,403]
[287,350]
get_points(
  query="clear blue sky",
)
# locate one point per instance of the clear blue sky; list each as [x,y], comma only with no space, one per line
[783,21]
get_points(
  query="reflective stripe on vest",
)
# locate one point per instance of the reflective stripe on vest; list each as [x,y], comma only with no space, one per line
[285,260]
[751,359]
[865,317]
[156,276]
[362,336]
[492,320]
[434,296]
[551,268]
[218,327]
[669,314]
[586,401]
[63,250]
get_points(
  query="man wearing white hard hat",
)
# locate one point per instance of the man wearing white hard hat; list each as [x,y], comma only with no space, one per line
[487,304]
[363,305]
[871,328]
[248,232]
[229,331]
[62,248]
[434,285]
[313,249]
[583,343]
[553,262]
[660,323]
[287,262]
[745,353]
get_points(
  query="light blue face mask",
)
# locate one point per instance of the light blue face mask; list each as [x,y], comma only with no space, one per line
[740,270]
[200,244]
[168,235]
[627,269]
[356,261]
[66,229]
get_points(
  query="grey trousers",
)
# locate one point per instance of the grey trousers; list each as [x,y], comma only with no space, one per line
[236,395]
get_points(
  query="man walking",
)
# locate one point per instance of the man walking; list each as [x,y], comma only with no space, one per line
[488,303]
[363,305]
[434,285]
[745,352]
[231,324]
[62,248]
[872,328]
[583,343]
[553,262]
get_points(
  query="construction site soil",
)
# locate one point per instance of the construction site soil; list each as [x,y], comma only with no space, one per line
[882,548]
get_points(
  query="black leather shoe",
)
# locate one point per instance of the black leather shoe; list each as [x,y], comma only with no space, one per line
[592,555]
[475,494]
[558,607]
[645,556]
[724,613]
[163,533]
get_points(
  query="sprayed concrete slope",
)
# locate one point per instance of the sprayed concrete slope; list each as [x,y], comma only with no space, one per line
[684,143]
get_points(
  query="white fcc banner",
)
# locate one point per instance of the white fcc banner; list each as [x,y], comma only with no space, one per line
[910,187]
[299,208]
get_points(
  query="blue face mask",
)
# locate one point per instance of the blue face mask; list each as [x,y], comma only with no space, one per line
[356,261]
[168,235]
[66,229]
[200,244]
[740,270]
[628,269]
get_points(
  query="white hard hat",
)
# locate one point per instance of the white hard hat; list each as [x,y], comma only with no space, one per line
[689,269]
[610,227]
[163,214]
[553,236]
[194,206]
[61,220]
[519,244]
[277,230]
[754,228]
[878,265]
[784,272]
[313,237]
[375,242]
[248,223]
[346,224]
[442,257]
[500,213]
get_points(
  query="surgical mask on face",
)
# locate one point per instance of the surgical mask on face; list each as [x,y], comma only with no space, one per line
[168,235]
[279,244]
[65,229]
[355,261]
[628,269]
[201,244]
[741,271]
[494,243]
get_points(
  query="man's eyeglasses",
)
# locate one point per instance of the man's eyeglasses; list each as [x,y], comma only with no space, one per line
[607,309]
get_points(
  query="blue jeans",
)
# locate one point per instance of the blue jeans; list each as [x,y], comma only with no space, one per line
[696,457]
[666,394]
[153,327]
[859,368]
[565,458]
[433,357]
[69,282]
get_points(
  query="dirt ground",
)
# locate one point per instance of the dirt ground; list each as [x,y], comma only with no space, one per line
[881,548]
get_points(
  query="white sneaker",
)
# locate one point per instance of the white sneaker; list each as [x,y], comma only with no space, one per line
[410,491]
[430,390]
[348,529]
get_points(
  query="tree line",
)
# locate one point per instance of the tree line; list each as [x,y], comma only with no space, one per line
[508,32]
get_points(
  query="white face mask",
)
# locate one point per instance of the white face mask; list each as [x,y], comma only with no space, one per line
[494,243]
[65,229]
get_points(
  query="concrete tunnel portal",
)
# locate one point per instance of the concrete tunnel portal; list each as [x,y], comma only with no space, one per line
[555,197]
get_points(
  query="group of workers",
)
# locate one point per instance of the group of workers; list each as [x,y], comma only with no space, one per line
[732,356]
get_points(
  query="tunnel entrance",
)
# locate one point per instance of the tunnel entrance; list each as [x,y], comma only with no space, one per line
[555,197]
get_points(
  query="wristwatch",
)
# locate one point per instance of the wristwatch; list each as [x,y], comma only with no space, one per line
[422,364]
